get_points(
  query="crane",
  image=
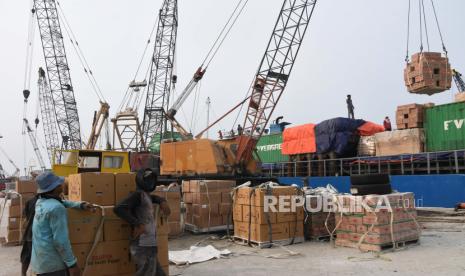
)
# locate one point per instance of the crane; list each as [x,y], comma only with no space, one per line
[33,140]
[17,170]
[162,78]
[458,81]
[49,122]
[234,156]
[131,134]
[273,73]
[58,72]
[100,120]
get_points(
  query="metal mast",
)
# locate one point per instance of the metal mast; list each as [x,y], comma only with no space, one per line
[458,81]
[58,73]
[274,70]
[161,78]
[33,140]
[47,111]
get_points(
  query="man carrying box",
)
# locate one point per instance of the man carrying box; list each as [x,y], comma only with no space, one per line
[51,249]
[137,209]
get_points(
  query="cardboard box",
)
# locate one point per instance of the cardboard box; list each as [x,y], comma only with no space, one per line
[116,230]
[83,225]
[291,216]
[97,188]
[206,209]
[16,223]
[296,232]
[226,197]
[125,183]
[14,211]
[188,197]
[260,232]
[175,228]
[17,201]
[237,212]
[13,236]
[225,209]
[162,254]
[243,195]
[207,198]
[258,215]
[185,186]
[26,186]
[108,258]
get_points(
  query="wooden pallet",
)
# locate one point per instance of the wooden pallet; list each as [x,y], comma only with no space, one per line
[197,230]
[261,245]
[377,247]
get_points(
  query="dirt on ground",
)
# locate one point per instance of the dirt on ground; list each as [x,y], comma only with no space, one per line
[441,251]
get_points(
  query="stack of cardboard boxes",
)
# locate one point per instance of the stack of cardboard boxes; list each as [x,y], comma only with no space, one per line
[318,223]
[25,190]
[428,73]
[111,254]
[406,141]
[172,194]
[253,223]
[376,229]
[208,204]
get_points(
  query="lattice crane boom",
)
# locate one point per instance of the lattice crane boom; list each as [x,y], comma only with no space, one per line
[49,123]
[458,81]
[58,73]
[33,140]
[162,78]
[274,71]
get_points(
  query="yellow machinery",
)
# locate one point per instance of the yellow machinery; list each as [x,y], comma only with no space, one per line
[80,161]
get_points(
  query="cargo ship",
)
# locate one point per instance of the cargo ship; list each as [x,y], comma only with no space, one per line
[425,155]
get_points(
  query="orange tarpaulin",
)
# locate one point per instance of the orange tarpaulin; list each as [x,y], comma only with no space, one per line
[369,128]
[299,139]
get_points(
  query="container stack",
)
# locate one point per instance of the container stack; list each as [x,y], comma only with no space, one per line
[102,232]
[428,73]
[374,229]
[254,224]
[208,204]
[13,213]
[172,194]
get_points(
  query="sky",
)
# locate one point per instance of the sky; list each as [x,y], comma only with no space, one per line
[352,47]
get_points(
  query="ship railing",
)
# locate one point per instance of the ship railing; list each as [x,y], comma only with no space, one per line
[429,163]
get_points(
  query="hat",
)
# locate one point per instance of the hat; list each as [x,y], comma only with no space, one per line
[48,181]
[146,180]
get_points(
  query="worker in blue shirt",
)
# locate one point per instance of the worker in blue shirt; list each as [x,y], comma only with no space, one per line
[51,248]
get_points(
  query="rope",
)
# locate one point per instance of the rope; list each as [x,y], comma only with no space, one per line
[96,239]
[421,26]
[426,26]
[80,54]
[408,31]
[439,28]
[29,48]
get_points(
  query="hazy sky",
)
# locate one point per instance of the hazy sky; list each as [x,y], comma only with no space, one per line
[355,47]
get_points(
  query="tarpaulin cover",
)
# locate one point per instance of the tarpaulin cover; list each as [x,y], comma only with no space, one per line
[369,129]
[339,135]
[299,139]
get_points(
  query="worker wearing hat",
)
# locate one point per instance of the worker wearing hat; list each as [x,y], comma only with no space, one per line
[51,248]
[137,209]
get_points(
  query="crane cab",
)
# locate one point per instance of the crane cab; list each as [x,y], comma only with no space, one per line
[66,162]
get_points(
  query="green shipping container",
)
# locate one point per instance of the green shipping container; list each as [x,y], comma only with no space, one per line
[269,149]
[445,127]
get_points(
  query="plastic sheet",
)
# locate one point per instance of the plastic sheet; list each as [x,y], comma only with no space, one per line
[299,140]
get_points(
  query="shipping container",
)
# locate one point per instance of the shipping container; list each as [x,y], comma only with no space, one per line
[445,127]
[269,149]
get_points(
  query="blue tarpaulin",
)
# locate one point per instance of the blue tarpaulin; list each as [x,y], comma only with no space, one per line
[338,135]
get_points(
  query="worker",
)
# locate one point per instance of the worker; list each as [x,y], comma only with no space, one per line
[350,107]
[387,124]
[51,247]
[137,209]
[239,129]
